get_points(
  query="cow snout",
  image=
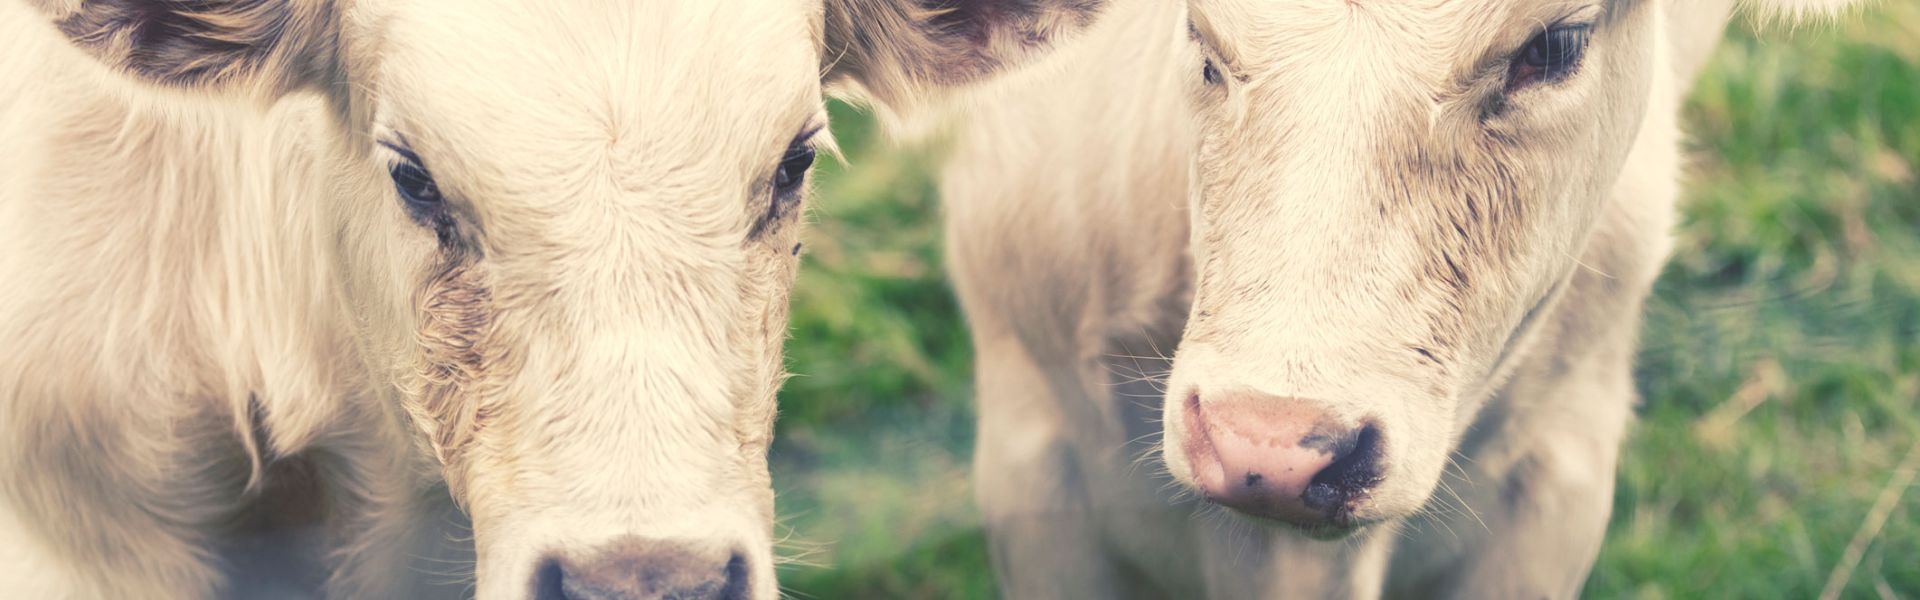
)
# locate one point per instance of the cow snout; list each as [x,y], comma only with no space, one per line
[1281,458]
[645,569]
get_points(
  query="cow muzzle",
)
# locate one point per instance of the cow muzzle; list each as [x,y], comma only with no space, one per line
[1283,459]
[635,568]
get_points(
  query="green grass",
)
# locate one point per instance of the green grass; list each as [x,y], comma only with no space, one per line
[1780,363]
[1796,286]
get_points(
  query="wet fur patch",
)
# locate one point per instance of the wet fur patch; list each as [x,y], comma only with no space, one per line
[1468,209]
[456,316]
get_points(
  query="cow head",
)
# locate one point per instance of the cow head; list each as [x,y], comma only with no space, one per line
[1385,198]
[566,233]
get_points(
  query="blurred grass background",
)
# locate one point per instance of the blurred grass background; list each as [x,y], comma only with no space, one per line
[1780,364]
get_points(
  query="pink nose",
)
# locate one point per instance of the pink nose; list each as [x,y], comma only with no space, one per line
[1280,458]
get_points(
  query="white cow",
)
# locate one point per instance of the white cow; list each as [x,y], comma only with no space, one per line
[1400,246]
[334,259]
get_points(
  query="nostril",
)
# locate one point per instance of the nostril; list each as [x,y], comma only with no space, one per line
[1351,475]
[737,578]
[548,580]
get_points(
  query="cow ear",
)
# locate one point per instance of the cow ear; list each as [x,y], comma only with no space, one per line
[900,51]
[1795,9]
[267,45]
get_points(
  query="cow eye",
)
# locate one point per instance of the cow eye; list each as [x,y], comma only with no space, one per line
[1209,73]
[787,177]
[415,185]
[793,168]
[1550,56]
[412,181]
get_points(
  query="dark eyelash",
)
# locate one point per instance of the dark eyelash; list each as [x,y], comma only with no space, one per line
[402,151]
[1562,45]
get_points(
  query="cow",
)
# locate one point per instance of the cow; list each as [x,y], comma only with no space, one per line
[1397,251]
[380,270]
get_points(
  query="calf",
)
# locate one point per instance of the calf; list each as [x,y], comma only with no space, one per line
[351,262]
[1400,247]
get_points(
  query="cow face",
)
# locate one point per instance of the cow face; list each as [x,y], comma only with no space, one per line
[575,263]
[566,233]
[1385,197]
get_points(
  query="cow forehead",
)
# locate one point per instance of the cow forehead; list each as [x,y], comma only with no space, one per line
[536,87]
[1367,80]
[1279,35]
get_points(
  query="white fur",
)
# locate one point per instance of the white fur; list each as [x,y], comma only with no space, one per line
[1294,231]
[210,282]
[172,256]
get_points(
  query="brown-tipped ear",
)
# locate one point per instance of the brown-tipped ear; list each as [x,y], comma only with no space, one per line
[901,50]
[268,45]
